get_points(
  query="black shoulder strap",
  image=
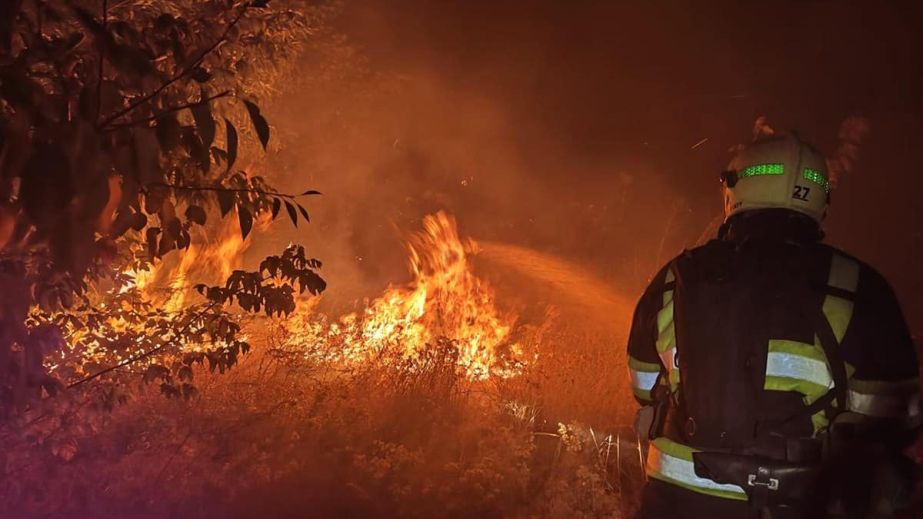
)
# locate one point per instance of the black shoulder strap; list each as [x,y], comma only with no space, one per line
[834,359]
[834,401]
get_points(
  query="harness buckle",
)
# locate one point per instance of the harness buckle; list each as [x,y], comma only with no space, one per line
[763,478]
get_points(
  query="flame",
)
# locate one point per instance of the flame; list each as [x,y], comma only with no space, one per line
[170,282]
[445,300]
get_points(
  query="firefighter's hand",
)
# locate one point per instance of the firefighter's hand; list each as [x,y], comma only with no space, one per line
[893,486]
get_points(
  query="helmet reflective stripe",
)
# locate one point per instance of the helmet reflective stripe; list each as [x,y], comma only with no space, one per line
[899,399]
[817,177]
[672,462]
[778,172]
[644,377]
[763,169]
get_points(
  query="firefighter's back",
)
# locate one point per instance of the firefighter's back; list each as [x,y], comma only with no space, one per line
[741,314]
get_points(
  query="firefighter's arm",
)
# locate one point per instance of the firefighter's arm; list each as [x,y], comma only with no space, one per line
[644,367]
[883,389]
[883,403]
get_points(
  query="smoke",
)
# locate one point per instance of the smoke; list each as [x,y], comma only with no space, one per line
[390,144]
[761,128]
[852,133]
[564,128]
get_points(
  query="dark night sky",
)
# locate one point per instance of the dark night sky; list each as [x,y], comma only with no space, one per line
[588,89]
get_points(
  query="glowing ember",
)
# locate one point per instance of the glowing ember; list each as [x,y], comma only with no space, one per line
[445,300]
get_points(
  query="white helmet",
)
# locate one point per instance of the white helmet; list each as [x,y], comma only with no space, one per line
[775,172]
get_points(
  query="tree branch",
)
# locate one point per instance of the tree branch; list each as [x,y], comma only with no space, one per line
[225,190]
[128,124]
[183,73]
[143,355]
[102,52]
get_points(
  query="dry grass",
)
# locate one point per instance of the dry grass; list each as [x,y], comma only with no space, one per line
[285,436]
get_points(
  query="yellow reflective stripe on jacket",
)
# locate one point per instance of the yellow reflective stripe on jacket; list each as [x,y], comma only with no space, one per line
[644,377]
[671,462]
[666,335]
[881,399]
[844,275]
[798,366]
[803,368]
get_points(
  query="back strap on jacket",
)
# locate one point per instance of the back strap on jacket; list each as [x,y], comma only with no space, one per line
[818,371]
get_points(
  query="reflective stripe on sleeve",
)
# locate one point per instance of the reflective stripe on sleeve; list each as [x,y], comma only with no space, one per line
[672,462]
[666,336]
[899,399]
[644,377]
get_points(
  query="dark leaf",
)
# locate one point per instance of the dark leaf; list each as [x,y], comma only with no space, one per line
[232,142]
[164,21]
[204,122]
[196,148]
[189,391]
[226,201]
[259,122]
[47,187]
[246,220]
[259,3]
[167,243]
[168,131]
[72,41]
[89,21]
[146,149]
[184,373]
[311,192]
[151,238]
[276,205]
[219,154]
[200,74]
[138,221]
[304,213]
[133,61]
[169,390]
[177,46]
[291,212]
[128,59]
[184,240]
[195,214]
[155,371]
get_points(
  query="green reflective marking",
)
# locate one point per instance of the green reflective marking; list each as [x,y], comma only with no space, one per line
[763,169]
[817,177]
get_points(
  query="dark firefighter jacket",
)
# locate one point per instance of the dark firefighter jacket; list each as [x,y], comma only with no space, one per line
[731,335]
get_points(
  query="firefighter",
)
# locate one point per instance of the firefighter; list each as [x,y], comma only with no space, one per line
[776,374]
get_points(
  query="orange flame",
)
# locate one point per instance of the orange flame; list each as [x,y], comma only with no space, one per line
[444,300]
[170,281]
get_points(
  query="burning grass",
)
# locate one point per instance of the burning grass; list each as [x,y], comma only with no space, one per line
[430,402]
